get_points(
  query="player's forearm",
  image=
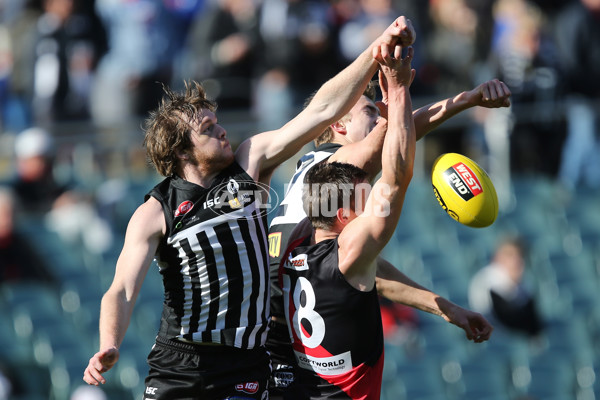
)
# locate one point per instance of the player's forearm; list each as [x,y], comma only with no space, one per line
[431,116]
[394,285]
[337,96]
[115,314]
[399,146]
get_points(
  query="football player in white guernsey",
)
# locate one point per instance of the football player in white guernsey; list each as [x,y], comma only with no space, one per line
[212,255]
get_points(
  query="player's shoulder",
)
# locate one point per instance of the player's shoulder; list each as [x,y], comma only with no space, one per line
[149,216]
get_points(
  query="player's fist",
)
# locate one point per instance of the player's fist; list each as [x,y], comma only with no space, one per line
[399,32]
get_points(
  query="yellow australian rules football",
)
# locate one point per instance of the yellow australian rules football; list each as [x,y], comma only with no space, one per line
[464,190]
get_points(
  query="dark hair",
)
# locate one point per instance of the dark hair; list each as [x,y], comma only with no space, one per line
[167,129]
[327,186]
[327,135]
[515,241]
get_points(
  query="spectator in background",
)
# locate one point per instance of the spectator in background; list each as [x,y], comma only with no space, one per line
[526,58]
[498,291]
[141,51]
[222,46]
[359,31]
[297,53]
[454,58]
[18,113]
[577,33]
[66,50]
[34,182]
[68,210]
[454,50]
[18,261]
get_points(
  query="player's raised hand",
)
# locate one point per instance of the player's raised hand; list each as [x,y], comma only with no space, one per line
[490,94]
[394,68]
[401,32]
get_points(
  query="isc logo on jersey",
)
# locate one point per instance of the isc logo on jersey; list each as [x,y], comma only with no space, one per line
[463,181]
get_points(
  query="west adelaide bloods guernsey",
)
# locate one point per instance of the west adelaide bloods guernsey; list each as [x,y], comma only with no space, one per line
[336,330]
[214,260]
[289,213]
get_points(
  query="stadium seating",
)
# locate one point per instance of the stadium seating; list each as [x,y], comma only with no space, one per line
[53,327]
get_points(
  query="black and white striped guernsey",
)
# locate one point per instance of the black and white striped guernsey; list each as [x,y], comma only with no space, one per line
[214,260]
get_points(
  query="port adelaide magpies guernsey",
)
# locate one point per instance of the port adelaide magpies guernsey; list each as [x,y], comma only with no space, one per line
[214,260]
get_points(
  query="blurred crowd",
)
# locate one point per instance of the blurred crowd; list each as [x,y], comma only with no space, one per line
[102,64]
[96,68]
[99,66]
[102,61]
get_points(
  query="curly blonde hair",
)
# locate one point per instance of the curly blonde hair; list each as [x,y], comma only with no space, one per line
[167,129]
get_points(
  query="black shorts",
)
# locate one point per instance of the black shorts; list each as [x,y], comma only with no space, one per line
[185,371]
[282,361]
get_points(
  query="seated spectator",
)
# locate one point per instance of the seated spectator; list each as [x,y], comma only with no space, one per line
[18,261]
[39,194]
[33,181]
[498,291]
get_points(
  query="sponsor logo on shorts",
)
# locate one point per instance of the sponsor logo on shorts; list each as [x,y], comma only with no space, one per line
[283,379]
[463,181]
[248,387]
[150,391]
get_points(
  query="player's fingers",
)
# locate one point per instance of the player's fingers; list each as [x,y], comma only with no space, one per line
[92,376]
[493,92]
[505,94]
[397,52]
[376,54]
[382,109]
[384,51]
[485,92]
[410,53]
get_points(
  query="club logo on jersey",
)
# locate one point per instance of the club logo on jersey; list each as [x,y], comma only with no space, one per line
[234,195]
[463,181]
[274,244]
[248,387]
[184,208]
[233,187]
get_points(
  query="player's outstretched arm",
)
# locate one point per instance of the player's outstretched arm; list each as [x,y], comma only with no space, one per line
[260,154]
[397,287]
[144,230]
[490,94]
[363,238]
